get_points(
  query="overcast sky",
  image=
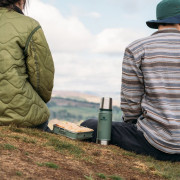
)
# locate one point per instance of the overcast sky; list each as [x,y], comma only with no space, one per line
[88,37]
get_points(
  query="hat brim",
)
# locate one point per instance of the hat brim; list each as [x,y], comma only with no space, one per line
[170,20]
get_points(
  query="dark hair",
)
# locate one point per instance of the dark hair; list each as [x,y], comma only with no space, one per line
[10,3]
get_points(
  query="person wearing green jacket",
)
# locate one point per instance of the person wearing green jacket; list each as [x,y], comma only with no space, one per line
[26,68]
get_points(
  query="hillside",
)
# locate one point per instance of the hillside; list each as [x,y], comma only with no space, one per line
[32,154]
[77,109]
[87,96]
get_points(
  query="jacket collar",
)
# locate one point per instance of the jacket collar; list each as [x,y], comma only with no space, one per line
[168,30]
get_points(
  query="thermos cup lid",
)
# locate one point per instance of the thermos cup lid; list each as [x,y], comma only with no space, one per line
[106,103]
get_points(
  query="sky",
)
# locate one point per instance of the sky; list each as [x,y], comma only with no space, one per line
[87,39]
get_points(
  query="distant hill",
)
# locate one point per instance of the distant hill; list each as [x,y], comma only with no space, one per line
[77,109]
[90,97]
[76,95]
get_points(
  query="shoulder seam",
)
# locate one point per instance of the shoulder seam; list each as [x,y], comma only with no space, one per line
[29,39]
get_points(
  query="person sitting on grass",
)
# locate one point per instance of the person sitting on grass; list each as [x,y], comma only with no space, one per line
[150,93]
[26,68]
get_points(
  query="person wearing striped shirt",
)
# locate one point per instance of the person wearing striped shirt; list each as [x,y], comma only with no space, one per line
[150,92]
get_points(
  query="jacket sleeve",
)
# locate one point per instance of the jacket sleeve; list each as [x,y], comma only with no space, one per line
[39,62]
[132,89]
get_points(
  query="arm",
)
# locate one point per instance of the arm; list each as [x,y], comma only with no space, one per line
[132,89]
[40,66]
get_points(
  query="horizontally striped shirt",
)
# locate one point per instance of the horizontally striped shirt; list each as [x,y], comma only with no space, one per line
[151,88]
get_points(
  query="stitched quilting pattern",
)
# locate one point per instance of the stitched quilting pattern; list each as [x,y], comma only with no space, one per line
[21,102]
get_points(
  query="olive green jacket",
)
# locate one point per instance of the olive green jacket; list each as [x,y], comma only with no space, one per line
[26,71]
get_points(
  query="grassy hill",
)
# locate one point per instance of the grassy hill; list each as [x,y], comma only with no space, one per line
[75,110]
[32,154]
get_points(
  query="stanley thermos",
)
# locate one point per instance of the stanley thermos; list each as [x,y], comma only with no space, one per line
[104,121]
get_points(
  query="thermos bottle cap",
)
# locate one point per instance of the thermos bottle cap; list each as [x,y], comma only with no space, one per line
[106,103]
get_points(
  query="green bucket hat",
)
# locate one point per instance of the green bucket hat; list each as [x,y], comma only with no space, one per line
[167,12]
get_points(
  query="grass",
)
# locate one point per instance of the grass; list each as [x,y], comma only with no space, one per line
[89,177]
[49,165]
[14,137]
[9,147]
[101,175]
[88,159]
[96,153]
[168,170]
[14,128]
[165,169]
[83,152]
[18,173]
[64,146]
[26,153]
[28,140]
[129,154]
[28,131]
[115,177]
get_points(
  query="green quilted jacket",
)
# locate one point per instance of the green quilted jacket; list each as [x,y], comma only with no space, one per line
[26,71]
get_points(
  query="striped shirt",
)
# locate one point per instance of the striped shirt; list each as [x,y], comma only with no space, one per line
[151,88]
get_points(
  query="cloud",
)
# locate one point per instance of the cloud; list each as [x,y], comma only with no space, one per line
[70,35]
[92,73]
[114,40]
[94,14]
[63,34]
[81,60]
[134,6]
[81,12]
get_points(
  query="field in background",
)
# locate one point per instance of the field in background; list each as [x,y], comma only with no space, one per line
[87,96]
[76,109]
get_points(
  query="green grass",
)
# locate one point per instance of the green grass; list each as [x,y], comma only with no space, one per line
[112,177]
[18,173]
[88,159]
[29,140]
[101,175]
[165,169]
[26,153]
[24,139]
[15,137]
[89,177]
[9,147]
[28,131]
[36,133]
[115,177]
[49,165]
[64,146]
[127,153]
[13,128]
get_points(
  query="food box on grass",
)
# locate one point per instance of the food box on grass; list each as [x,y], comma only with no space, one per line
[72,130]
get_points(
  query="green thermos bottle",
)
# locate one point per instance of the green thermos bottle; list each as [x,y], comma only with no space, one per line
[104,122]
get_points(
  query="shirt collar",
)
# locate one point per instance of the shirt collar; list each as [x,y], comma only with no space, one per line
[168,30]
